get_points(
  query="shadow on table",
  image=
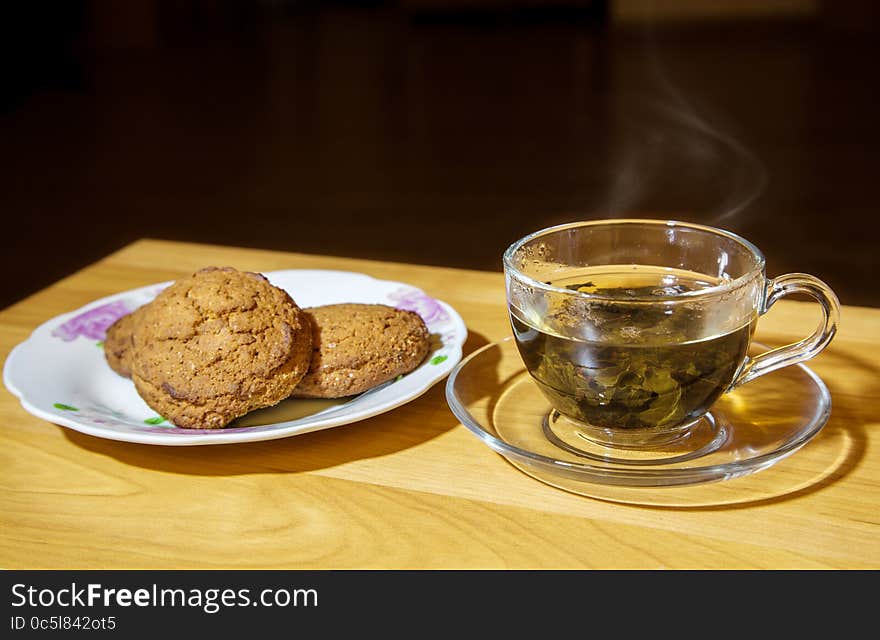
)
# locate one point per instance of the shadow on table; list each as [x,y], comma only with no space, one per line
[416,422]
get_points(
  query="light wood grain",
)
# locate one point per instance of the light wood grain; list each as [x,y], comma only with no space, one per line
[412,488]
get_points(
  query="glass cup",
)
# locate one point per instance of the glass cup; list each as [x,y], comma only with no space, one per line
[632,329]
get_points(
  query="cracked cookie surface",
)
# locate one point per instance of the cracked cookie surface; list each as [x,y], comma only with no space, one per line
[218,344]
[359,346]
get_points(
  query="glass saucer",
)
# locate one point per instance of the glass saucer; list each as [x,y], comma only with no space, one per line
[748,430]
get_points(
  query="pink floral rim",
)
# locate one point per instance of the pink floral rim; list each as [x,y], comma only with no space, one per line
[93,324]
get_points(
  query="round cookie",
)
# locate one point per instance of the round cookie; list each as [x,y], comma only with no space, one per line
[118,343]
[218,344]
[359,346]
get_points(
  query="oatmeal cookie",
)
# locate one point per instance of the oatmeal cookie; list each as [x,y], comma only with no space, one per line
[217,345]
[117,344]
[359,346]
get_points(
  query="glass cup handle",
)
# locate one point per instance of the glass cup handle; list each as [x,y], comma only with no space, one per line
[803,349]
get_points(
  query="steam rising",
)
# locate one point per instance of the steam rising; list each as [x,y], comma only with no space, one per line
[669,159]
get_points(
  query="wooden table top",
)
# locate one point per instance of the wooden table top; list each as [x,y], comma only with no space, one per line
[413,488]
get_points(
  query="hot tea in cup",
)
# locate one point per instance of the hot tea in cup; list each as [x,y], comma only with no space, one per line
[632,329]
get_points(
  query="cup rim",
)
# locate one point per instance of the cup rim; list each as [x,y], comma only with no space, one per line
[760,261]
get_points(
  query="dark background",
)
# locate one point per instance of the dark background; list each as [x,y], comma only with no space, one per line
[436,131]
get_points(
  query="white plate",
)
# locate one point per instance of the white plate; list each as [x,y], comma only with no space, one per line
[60,374]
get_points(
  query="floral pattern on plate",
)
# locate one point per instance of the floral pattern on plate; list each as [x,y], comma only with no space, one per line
[81,392]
